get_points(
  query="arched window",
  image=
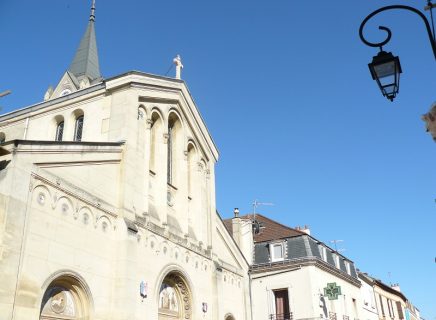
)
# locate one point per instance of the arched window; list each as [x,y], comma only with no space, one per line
[155,137]
[78,129]
[2,137]
[59,131]
[191,170]
[174,151]
[170,154]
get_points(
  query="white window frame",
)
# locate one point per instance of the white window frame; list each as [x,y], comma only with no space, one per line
[323,252]
[271,250]
[336,258]
[348,267]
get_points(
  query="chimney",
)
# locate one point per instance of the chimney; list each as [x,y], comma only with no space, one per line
[396,287]
[306,230]
[236,212]
[242,233]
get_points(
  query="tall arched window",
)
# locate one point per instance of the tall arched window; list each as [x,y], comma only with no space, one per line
[2,137]
[59,131]
[191,170]
[78,129]
[174,145]
[170,154]
[155,137]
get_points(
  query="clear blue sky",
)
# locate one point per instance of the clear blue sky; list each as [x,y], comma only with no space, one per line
[285,90]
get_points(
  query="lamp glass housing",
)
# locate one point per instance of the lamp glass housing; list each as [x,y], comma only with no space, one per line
[385,70]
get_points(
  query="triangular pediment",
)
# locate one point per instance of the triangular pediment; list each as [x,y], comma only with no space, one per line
[68,84]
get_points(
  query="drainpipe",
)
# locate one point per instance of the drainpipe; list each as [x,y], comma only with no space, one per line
[251,299]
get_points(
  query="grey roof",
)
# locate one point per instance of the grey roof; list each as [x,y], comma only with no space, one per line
[85,62]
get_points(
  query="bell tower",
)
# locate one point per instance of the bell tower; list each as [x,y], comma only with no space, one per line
[84,70]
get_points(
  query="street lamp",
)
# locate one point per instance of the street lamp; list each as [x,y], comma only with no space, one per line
[385,68]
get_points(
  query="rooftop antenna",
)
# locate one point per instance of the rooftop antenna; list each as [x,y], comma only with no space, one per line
[5,93]
[256,204]
[257,226]
[335,242]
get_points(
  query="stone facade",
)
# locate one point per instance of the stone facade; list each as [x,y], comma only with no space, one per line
[96,227]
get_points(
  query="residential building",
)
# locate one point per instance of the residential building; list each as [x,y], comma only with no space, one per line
[369,305]
[391,303]
[295,276]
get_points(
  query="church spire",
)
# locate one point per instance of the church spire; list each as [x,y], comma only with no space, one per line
[92,16]
[85,62]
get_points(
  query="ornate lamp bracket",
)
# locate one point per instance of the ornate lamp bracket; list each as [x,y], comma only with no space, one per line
[380,45]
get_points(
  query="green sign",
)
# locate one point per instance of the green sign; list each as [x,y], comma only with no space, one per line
[332,291]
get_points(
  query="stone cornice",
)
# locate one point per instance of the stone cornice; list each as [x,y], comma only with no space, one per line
[42,146]
[75,97]
[303,262]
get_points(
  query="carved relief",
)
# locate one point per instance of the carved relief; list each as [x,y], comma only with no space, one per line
[174,298]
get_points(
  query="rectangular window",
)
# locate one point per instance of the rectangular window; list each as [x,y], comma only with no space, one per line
[389,307]
[323,252]
[348,267]
[336,259]
[392,308]
[400,310]
[381,305]
[282,305]
[277,252]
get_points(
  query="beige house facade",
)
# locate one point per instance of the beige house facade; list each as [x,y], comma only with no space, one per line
[369,305]
[107,204]
[293,276]
[391,303]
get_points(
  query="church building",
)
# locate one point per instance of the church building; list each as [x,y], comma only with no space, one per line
[107,203]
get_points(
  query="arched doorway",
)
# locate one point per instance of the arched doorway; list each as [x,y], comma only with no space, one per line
[64,299]
[175,300]
[229,317]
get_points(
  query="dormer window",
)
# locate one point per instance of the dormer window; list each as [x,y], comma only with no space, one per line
[348,267]
[323,252]
[337,262]
[277,251]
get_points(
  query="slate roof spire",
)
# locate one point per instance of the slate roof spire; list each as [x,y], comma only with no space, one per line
[85,62]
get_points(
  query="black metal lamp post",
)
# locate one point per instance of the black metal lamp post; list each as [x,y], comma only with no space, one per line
[385,68]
